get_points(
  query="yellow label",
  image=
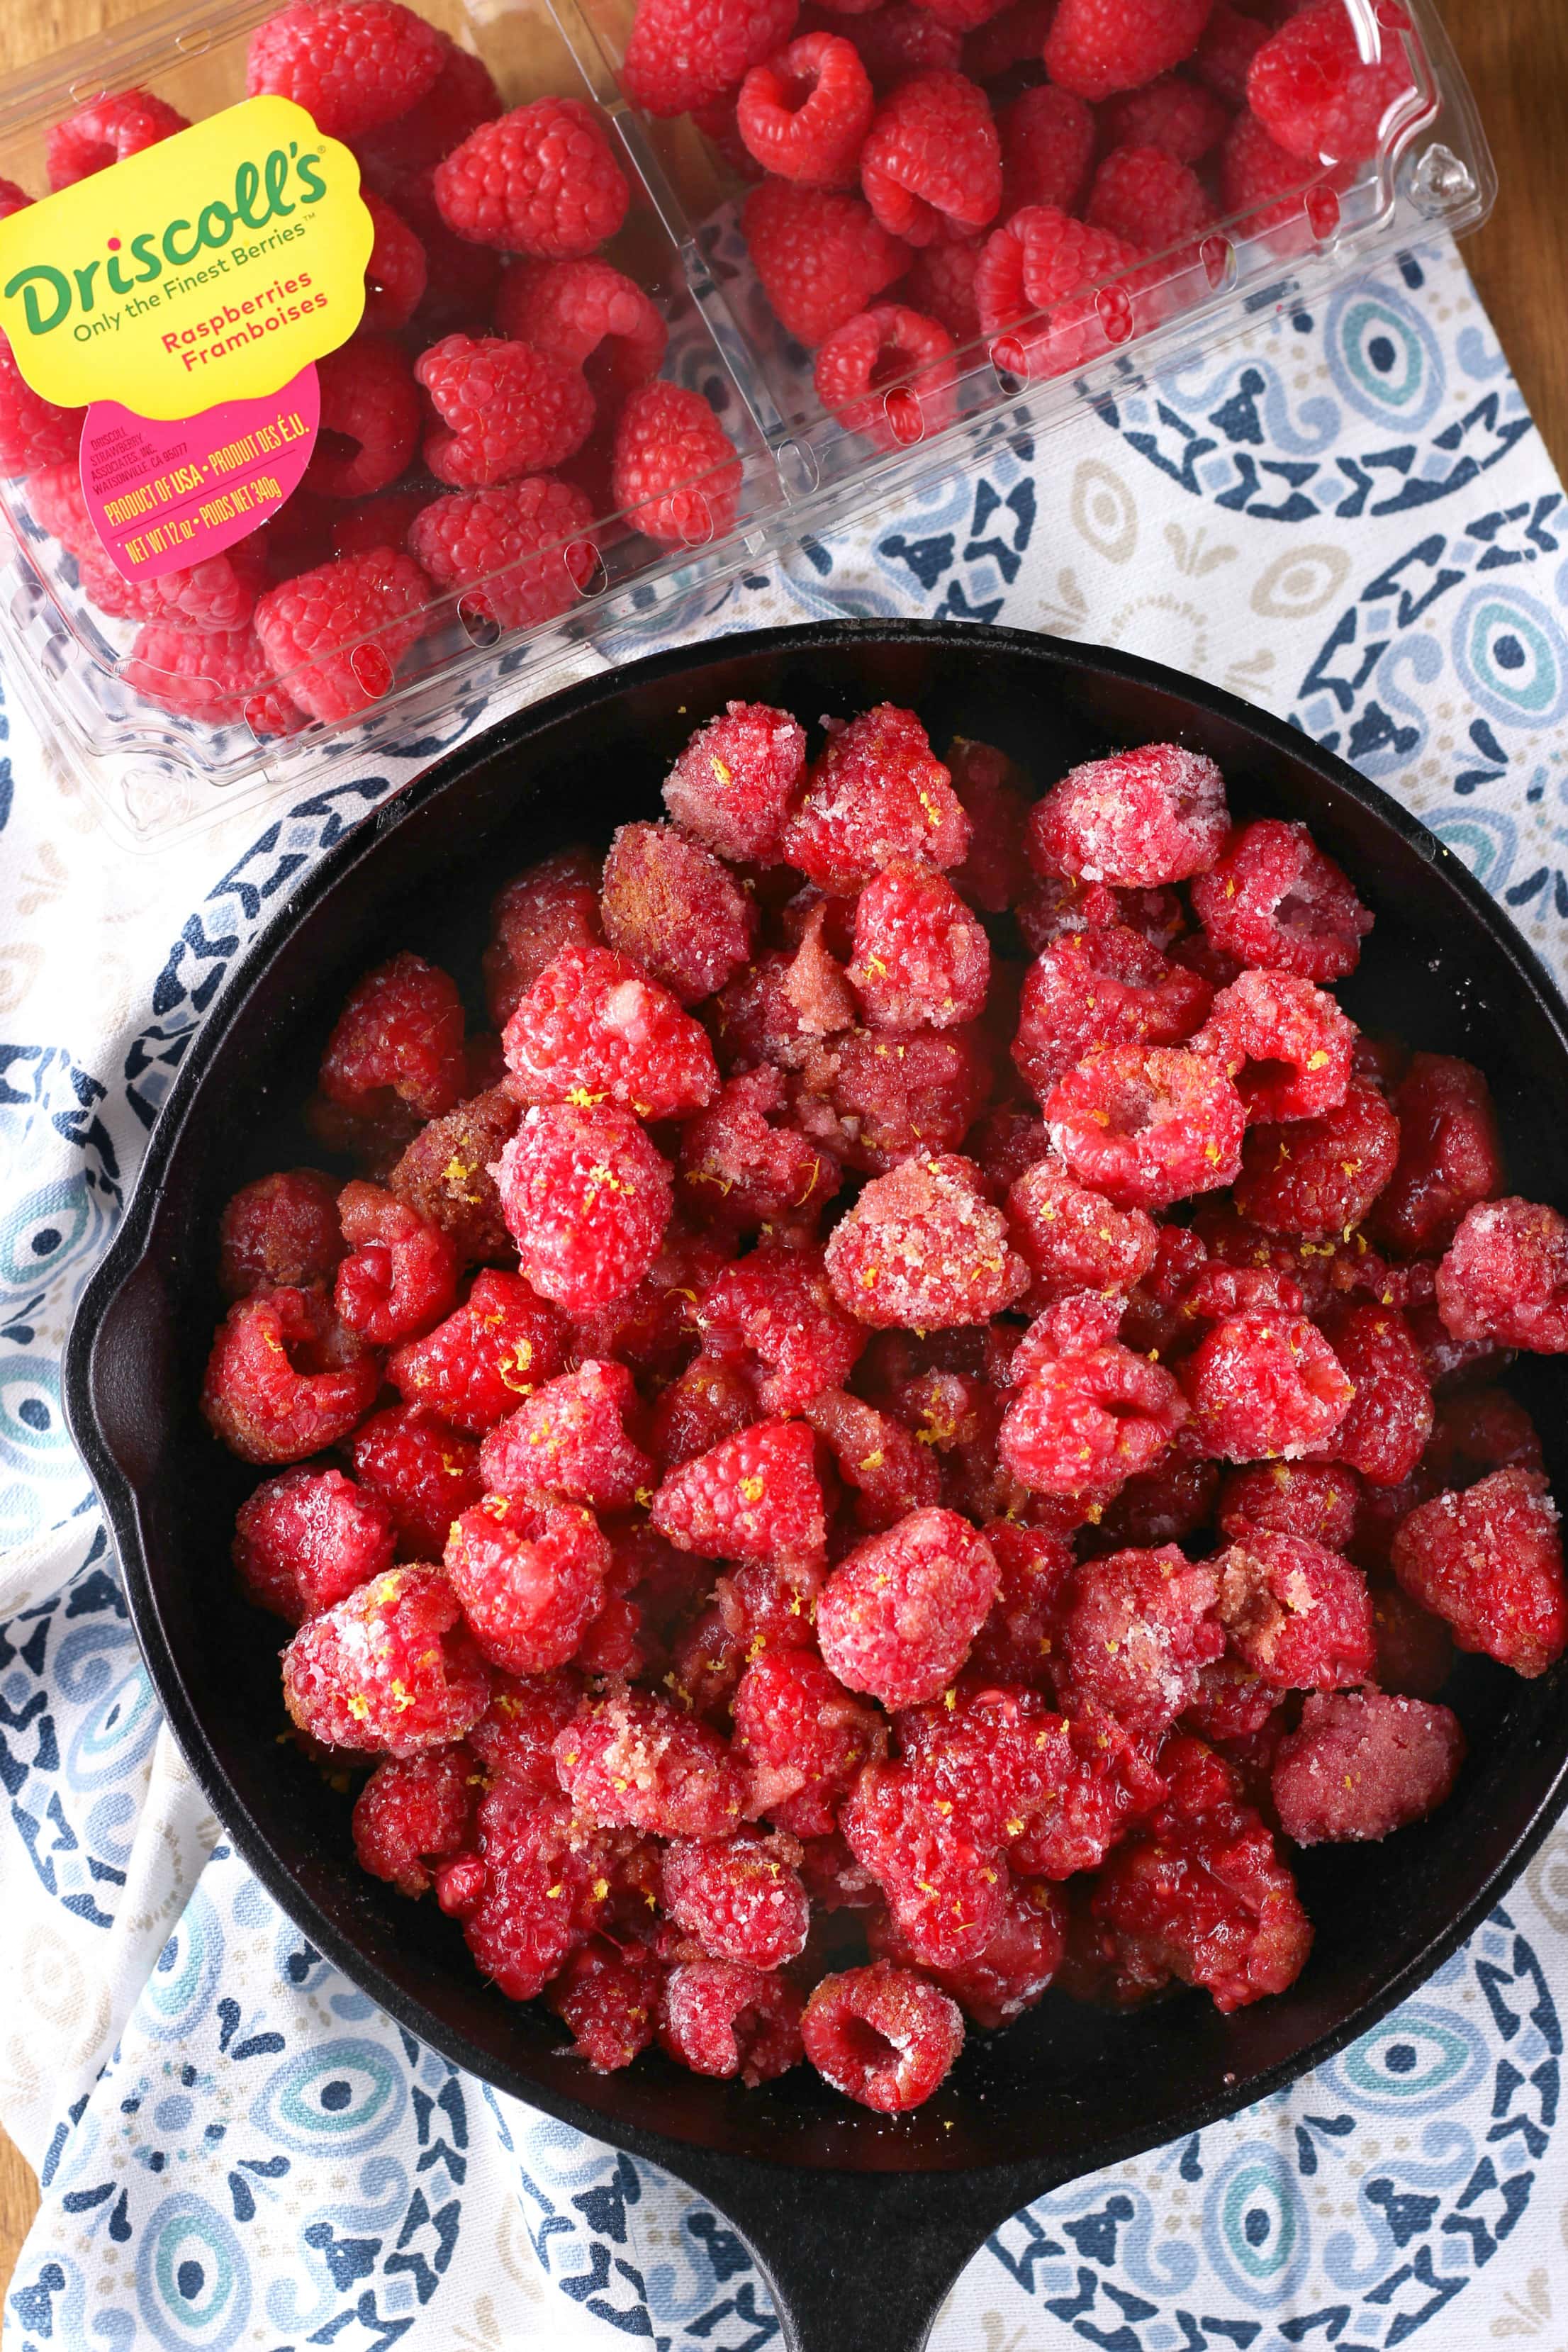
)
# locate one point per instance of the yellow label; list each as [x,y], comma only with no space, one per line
[212,267]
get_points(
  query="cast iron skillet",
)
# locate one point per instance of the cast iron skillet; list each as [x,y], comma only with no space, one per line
[860,2224]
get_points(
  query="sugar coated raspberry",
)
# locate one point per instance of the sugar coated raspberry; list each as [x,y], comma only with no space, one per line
[802,1737]
[898,1616]
[391,1666]
[1086,1417]
[1097,47]
[412,1810]
[586,1198]
[1490,1562]
[394,276]
[285,1378]
[672,907]
[923,1247]
[820,257]
[1073,1239]
[353,65]
[1274,902]
[878,1096]
[1450,1155]
[1311,1178]
[107,131]
[334,636]
[400,1276]
[594,1029]
[756,1496]
[1144,195]
[1104,986]
[552,905]
[931,159]
[515,548]
[540,180]
[423,1470]
[675,468]
[922,958]
[530,1902]
[1014,1970]
[569,1437]
[1265,1384]
[733,783]
[883,2035]
[514,1739]
[608,1995]
[279,1232]
[890,1474]
[1285,1043]
[724,2018]
[775,1310]
[1298,1616]
[684,53]
[530,1576]
[1384,1433]
[1155,815]
[876,795]
[1314,92]
[445,1174]
[1505,1277]
[398,1040]
[1141,1626]
[1047,148]
[1146,1126]
[743,1166]
[1174,112]
[1293,1498]
[34,432]
[1042,261]
[887,374]
[634,1761]
[805,113]
[740,1897]
[304,1542]
[1363,1763]
[509,410]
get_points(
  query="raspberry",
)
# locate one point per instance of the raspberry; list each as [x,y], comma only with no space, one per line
[1020,1638]
[462,97]
[820,257]
[550,906]
[1141,1626]
[1486,1430]
[707,1402]
[1165,1504]
[1201,1894]
[460,278]
[675,469]
[398,1043]
[1146,198]
[1414,1651]
[653,1327]
[514,1739]
[883,2035]
[1362,1764]
[876,795]
[511,410]
[594,1029]
[777,1307]
[34,434]
[105,132]
[634,1761]
[1274,190]
[887,374]
[1073,1239]
[901,39]
[530,1576]
[587,315]
[542,180]
[284,1378]
[425,1471]
[733,783]
[878,1096]
[1034,262]
[1505,1277]
[1004,1144]
[940,284]
[13,199]
[1147,1126]
[1296,1615]
[445,1174]
[756,1496]
[719,2017]
[947,1891]
[214,597]
[1178,115]
[923,1247]
[401,1276]
[394,276]
[741,1168]
[932,160]
[1317,1500]
[381,521]
[994,795]
[898,1616]
[1100,987]
[685,53]
[353,65]
[1490,1562]
[412,1810]
[1151,815]
[1265,1384]
[1285,1045]
[392,1666]
[1047,151]
[1315,1177]
[586,1198]
[922,958]
[890,1474]
[534,1901]
[512,548]
[304,1542]
[1274,900]
[1450,1155]
[608,1995]
[805,113]
[334,636]
[1230,42]
[1384,1433]
[1097,47]
[279,1232]
[1314,92]
[672,907]
[740,1897]
[1011,35]
[803,1737]
[569,1437]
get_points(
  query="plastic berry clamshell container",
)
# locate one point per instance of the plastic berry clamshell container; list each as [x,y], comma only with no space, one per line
[294,537]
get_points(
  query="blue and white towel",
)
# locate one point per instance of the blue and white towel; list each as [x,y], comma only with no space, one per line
[1348,519]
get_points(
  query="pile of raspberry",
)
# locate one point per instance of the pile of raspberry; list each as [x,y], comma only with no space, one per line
[914,1410]
[502,392]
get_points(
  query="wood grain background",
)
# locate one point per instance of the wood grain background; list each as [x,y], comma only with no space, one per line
[1515,53]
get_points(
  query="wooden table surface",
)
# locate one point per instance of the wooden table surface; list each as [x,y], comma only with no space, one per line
[1515,53]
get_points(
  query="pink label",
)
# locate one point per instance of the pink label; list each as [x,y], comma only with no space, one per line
[163,496]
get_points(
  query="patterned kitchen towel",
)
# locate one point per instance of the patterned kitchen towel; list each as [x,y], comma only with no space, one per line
[1347,517]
